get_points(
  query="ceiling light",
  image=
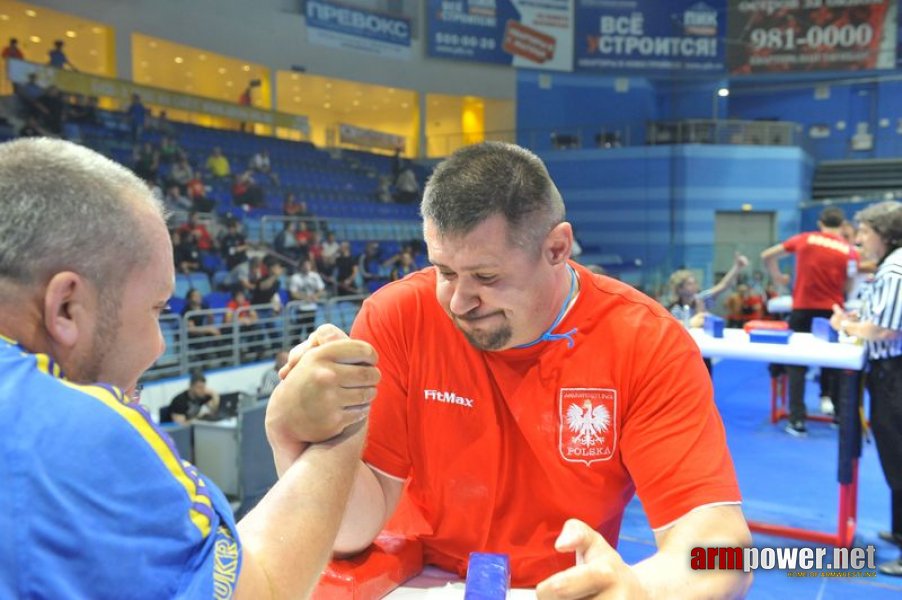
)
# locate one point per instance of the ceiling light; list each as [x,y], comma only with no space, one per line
[31,13]
[152,44]
[71,34]
[143,64]
[404,105]
[356,103]
[294,76]
[328,85]
[189,73]
[96,29]
[34,39]
[202,56]
[246,68]
[296,99]
[327,105]
[391,90]
[179,60]
[221,70]
[93,52]
[4,17]
[229,84]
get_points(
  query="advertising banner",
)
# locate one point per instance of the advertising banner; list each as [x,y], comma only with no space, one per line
[534,34]
[650,36]
[772,36]
[370,138]
[338,26]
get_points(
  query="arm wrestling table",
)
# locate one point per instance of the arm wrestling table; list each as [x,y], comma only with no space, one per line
[806,350]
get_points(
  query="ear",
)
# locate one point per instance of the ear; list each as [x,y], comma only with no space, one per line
[559,243]
[68,304]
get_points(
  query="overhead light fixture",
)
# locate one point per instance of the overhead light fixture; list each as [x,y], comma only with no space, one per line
[404,105]
[152,44]
[71,34]
[296,99]
[221,70]
[327,105]
[179,60]
[202,56]
[356,103]
[34,39]
[328,85]
[723,92]
[96,29]
[93,52]
[229,84]
[31,13]
[4,17]
[143,64]
[294,76]
[246,68]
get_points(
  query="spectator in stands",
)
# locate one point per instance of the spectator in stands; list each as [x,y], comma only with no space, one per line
[12,50]
[175,201]
[198,325]
[260,163]
[205,242]
[246,192]
[347,278]
[330,250]
[271,378]
[384,192]
[688,304]
[81,111]
[197,402]
[185,252]
[286,243]
[240,309]
[369,265]
[292,207]
[307,287]
[58,58]
[407,186]
[53,104]
[265,281]
[29,95]
[233,245]
[160,123]
[31,128]
[197,192]
[146,161]
[136,113]
[315,250]
[170,152]
[181,173]
[218,164]
[404,267]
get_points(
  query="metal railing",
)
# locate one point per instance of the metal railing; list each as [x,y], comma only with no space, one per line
[224,340]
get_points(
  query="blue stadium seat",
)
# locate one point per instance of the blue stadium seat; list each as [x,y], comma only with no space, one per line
[200,282]
[182,285]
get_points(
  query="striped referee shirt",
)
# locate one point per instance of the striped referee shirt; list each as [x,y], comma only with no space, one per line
[882,305]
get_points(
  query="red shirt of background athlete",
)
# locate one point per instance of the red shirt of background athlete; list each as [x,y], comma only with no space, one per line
[486,468]
[822,268]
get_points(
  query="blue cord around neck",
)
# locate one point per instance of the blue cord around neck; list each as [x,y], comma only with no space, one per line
[547,336]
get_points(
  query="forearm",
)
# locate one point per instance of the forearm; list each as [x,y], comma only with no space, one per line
[667,573]
[288,537]
[868,330]
[365,514]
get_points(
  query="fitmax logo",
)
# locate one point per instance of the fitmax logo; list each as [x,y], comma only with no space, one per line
[447,398]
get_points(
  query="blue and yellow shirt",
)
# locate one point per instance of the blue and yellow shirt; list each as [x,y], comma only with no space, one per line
[94,499]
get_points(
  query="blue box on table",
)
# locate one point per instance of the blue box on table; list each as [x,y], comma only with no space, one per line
[714,326]
[820,328]
[770,336]
[488,576]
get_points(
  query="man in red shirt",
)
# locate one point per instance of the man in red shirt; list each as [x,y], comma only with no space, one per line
[520,392]
[824,263]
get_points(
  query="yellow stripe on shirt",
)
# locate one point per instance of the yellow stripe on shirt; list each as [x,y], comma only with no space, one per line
[153,439]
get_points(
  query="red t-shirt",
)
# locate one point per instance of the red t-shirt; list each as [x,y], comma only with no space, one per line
[822,268]
[502,447]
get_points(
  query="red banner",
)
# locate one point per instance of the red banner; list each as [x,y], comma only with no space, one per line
[767,36]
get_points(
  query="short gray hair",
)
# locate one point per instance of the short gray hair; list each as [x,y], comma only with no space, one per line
[885,218]
[482,180]
[66,208]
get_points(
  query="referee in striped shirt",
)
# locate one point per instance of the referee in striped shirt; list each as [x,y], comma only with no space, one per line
[880,325]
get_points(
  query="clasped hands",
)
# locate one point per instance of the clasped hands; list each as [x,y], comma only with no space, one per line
[327,387]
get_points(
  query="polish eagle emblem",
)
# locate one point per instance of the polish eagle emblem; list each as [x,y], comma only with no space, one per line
[588,422]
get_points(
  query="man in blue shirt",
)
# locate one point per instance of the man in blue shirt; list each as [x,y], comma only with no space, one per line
[96,502]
